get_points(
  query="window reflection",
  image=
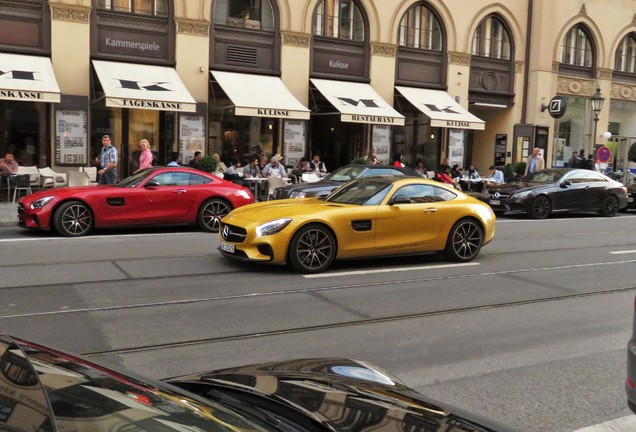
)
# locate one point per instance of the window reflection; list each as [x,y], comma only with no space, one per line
[145,7]
[420,28]
[626,55]
[491,39]
[576,48]
[340,19]
[254,14]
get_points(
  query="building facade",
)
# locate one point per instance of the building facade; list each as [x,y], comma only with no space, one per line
[477,81]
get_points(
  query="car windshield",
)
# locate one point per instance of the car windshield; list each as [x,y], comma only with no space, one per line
[365,191]
[346,173]
[545,176]
[135,179]
[84,397]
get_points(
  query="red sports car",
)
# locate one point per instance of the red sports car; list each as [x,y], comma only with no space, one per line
[155,196]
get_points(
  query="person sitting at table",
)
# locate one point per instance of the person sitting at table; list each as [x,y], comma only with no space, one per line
[301,167]
[252,169]
[316,166]
[455,173]
[444,176]
[8,167]
[220,165]
[495,177]
[471,172]
[472,175]
[274,168]
[420,168]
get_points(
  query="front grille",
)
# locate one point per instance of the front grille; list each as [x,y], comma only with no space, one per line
[20,208]
[232,233]
[499,195]
[281,193]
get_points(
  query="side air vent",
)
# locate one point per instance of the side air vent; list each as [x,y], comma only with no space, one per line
[241,55]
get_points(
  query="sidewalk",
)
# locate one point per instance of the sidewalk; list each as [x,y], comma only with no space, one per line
[8,214]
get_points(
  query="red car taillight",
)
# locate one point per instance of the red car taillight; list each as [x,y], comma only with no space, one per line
[630,383]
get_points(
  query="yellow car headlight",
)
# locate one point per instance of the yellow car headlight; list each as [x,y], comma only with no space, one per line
[272,227]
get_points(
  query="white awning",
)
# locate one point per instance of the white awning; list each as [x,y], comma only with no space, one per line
[358,102]
[130,85]
[441,108]
[260,96]
[27,78]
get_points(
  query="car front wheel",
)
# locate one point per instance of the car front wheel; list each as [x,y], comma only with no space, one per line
[73,219]
[464,240]
[541,208]
[610,206]
[312,249]
[211,213]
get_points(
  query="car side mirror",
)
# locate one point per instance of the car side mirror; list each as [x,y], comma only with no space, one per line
[401,199]
[566,183]
[151,183]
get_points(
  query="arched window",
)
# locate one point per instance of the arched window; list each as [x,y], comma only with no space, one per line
[420,28]
[340,19]
[145,7]
[491,39]
[576,48]
[626,55]
[256,14]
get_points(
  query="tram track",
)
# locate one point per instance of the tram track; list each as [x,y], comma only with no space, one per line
[344,324]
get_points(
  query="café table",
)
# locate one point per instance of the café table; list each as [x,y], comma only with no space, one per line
[260,184]
[476,184]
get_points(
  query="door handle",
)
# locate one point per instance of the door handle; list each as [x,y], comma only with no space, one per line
[430,210]
[180,191]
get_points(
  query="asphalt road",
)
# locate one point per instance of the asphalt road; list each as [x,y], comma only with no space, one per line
[532,333]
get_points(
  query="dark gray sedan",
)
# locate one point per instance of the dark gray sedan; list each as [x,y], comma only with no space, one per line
[559,190]
[338,178]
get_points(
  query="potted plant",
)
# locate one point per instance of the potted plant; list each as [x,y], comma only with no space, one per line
[208,164]
[520,169]
[359,161]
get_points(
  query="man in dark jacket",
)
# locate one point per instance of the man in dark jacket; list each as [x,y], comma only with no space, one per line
[572,161]
[581,160]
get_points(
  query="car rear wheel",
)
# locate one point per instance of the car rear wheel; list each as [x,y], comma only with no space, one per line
[610,206]
[464,240]
[211,213]
[312,249]
[73,219]
[541,208]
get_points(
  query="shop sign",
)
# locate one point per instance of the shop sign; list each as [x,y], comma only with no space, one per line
[191,136]
[71,131]
[381,142]
[131,43]
[337,65]
[456,141]
[358,118]
[295,141]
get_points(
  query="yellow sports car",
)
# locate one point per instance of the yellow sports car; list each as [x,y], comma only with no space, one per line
[367,217]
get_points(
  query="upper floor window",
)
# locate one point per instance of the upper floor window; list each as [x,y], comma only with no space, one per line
[339,18]
[256,14]
[626,54]
[145,7]
[576,48]
[491,39]
[420,28]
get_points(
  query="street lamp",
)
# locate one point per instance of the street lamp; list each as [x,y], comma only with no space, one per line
[597,106]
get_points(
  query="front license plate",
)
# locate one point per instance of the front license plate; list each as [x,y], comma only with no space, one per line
[495,202]
[226,247]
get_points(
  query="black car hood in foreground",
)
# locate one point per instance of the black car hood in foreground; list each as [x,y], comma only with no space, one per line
[341,394]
